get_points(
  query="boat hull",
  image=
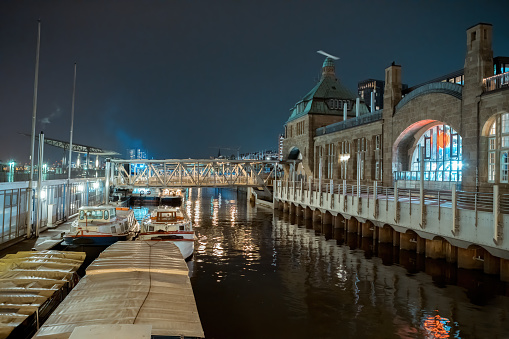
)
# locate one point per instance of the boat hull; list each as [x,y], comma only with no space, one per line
[94,240]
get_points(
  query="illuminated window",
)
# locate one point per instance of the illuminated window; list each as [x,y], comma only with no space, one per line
[442,150]
[344,149]
[504,167]
[498,149]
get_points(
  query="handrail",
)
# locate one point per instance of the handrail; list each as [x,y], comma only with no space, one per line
[495,82]
[479,201]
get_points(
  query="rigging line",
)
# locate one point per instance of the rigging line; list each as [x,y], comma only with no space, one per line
[149,280]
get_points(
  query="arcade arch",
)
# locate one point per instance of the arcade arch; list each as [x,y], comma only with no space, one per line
[442,152]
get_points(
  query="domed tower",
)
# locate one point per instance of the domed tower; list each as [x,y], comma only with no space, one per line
[321,106]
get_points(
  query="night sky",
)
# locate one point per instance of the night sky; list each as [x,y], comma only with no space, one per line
[181,78]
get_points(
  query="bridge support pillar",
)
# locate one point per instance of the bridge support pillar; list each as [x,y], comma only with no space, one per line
[467,258]
[407,241]
[339,221]
[317,216]
[292,209]
[451,253]
[384,235]
[395,238]
[286,206]
[351,226]
[367,229]
[504,270]
[435,249]
[308,213]
[298,210]
[275,204]
[491,264]
[421,245]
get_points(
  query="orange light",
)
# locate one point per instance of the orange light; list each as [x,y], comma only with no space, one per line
[436,326]
[443,139]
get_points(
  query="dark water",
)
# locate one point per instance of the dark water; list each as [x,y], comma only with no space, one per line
[259,275]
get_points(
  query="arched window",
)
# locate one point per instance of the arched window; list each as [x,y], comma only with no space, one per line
[442,150]
[498,149]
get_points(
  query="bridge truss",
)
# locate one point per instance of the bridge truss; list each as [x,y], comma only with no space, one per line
[191,173]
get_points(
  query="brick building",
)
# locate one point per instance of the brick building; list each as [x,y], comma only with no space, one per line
[461,128]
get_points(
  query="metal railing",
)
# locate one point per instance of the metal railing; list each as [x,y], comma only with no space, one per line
[52,208]
[437,175]
[479,201]
[496,82]
[14,176]
[349,123]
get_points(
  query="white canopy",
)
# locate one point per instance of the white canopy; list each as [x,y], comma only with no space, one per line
[132,282]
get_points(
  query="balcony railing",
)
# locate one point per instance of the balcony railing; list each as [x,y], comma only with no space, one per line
[496,82]
[349,123]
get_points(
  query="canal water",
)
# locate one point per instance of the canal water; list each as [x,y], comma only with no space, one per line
[257,274]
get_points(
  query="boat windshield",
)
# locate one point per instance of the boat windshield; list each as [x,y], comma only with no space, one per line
[91,215]
[166,216]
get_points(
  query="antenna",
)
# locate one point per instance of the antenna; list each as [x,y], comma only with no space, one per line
[327,55]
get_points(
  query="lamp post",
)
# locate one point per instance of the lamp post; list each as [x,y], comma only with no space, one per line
[70,145]
[34,116]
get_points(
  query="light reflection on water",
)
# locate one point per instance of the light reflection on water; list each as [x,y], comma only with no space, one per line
[260,276]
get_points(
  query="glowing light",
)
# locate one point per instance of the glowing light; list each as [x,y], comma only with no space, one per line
[437,326]
[43,194]
[95,185]
[443,139]
[344,157]
[80,188]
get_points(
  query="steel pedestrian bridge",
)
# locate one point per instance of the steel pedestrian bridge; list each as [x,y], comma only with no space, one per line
[128,174]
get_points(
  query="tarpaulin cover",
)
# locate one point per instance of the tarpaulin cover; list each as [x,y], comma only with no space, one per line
[132,282]
[31,282]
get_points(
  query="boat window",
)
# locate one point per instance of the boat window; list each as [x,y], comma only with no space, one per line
[106,215]
[113,213]
[94,214]
[166,216]
[82,215]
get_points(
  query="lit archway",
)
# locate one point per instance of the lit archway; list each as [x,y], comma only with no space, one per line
[441,146]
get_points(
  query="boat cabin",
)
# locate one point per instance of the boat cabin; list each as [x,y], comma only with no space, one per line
[167,216]
[99,213]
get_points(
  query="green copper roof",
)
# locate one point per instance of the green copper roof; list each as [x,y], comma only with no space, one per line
[315,100]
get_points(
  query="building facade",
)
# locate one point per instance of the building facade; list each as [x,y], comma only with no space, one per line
[461,128]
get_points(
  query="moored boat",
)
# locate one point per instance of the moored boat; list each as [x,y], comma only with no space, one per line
[166,223]
[102,225]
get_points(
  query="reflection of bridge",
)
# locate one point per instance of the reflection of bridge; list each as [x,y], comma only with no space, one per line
[190,173]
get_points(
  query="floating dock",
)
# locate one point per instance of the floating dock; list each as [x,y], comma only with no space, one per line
[133,286]
[32,284]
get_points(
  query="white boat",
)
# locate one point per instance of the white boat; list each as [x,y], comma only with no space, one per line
[167,223]
[102,225]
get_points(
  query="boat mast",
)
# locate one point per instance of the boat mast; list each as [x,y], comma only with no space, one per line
[34,115]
